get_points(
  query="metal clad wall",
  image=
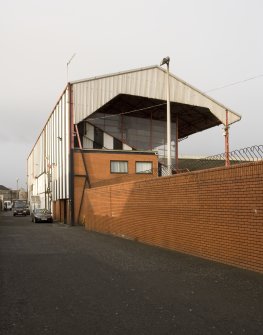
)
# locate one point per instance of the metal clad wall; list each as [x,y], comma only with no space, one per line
[41,183]
[93,93]
[50,155]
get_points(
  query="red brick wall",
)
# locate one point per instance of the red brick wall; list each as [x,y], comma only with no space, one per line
[98,167]
[215,214]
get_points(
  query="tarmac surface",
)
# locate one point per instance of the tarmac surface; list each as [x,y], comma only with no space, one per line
[57,279]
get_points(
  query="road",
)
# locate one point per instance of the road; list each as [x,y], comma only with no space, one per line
[57,279]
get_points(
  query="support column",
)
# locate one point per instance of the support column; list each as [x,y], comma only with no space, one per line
[77,132]
[176,145]
[227,161]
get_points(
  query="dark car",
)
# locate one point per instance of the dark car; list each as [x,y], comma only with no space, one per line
[41,215]
[19,207]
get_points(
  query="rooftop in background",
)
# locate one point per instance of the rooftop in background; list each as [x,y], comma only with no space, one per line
[3,188]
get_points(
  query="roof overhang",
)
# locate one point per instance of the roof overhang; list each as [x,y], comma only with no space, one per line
[142,93]
[191,119]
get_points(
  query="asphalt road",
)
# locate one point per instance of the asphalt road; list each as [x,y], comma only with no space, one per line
[57,279]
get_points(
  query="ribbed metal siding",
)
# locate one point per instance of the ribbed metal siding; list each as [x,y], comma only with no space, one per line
[49,150]
[91,94]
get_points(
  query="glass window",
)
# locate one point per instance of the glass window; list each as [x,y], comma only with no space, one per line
[119,167]
[144,167]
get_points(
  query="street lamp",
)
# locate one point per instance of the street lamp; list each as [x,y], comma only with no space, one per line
[17,192]
[166,61]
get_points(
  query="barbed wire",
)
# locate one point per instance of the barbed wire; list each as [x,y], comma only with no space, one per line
[253,153]
[239,156]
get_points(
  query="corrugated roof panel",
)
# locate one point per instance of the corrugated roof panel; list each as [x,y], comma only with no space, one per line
[91,94]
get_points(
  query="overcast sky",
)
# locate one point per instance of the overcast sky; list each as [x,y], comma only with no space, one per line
[210,43]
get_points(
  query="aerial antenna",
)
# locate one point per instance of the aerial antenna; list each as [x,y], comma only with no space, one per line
[69,63]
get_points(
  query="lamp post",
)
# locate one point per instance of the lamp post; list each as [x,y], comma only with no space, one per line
[166,61]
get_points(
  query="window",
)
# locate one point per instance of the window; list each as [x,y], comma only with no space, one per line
[119,167]
[144,167]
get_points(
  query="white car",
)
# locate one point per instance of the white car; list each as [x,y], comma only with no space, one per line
[7,205]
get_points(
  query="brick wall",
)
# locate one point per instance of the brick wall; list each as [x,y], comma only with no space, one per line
[215,214]
[97,164]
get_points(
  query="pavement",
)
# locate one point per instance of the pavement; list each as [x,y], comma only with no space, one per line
[58,279]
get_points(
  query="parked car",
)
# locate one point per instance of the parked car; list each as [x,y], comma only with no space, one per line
[41,215]
[7,205]
[19,207]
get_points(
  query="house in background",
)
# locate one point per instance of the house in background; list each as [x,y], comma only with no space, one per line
[111,129]
[6,194]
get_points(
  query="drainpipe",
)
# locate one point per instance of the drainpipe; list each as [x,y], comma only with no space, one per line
[71,156]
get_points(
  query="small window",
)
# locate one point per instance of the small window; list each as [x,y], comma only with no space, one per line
[119,167]
[144,167]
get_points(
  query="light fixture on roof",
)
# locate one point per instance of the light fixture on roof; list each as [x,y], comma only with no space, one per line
[165,60]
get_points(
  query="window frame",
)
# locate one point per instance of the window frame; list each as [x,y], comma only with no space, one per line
[146,171]
[122,161]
